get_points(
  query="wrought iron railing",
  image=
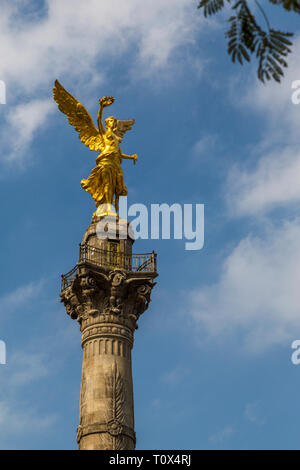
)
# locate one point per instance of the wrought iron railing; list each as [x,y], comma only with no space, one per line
[134,262]
[145,262]
[66,279]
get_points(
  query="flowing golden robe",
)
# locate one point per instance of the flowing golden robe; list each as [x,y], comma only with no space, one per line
[107,179]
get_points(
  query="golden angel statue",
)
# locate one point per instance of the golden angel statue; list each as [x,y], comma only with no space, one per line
[106,182]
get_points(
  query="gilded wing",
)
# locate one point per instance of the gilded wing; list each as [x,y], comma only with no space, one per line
[122,127]
[78,117]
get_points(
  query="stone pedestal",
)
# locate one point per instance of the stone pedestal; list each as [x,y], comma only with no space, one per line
[106,293]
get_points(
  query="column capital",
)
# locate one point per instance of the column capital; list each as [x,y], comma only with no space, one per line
[108,295]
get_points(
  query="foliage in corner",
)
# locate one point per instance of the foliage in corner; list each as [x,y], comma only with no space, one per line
[247,38]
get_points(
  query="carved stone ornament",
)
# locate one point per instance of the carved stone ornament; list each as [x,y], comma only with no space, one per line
[114,427]
[117,294]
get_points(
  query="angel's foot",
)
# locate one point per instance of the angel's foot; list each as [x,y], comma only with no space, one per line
[104,210]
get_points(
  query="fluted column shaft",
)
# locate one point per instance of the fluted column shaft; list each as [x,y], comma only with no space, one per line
[106,418]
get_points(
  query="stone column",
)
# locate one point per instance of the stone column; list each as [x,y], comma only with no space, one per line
[106,296]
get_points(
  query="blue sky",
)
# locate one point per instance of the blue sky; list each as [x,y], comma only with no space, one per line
[211,360]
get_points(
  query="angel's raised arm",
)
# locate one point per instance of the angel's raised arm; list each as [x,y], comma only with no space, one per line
[104,102]
[99,119]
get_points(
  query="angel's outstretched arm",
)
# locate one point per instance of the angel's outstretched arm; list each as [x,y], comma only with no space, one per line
[130,157]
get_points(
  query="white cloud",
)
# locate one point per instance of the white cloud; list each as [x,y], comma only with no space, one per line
[16,421]
[176,375]
[275,181]
[25,368]
[222,435]
[81,40]
[274,101]
[205,146]
[23,121]
[20,296]
[32,365]
[257,297]
[253,413]
[16,414]
[167,32]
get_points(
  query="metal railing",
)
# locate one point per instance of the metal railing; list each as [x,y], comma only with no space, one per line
[112,259]
[66,279]
[145,262]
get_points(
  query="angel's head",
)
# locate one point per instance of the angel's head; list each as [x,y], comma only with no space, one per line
[111,122]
